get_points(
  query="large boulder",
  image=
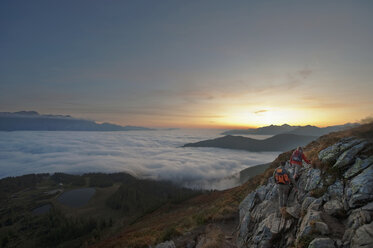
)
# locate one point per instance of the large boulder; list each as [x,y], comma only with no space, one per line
[347,237]
[368,207]
[322,243]
[321,227]
[306,203]
[244,230]
[306,226]
[316,204]
[330,154]
[313,179]
[358,167]
[262,238]
[363,236]
[349,156]
[336,189]
[355,220]
[359,217]
[261,192]
[268,229]
[276,224]
[334,208]
[360,189]
[167,244]
[247,204]
[264,209]
[272,192]
[294,210]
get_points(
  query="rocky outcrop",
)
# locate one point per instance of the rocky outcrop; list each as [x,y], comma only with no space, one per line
[166,244]
[363,236]
[332,209]
[322,242]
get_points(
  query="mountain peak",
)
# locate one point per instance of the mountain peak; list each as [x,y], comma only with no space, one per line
[33,121]
[23,112]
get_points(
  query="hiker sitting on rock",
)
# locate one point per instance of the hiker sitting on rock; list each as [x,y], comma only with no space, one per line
[296,161]
[283,179]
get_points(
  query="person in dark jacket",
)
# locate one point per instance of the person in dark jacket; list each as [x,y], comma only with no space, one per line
[283,179]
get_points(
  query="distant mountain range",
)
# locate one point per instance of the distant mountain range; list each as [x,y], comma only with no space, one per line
[33,121]
[280,142]
[299,130]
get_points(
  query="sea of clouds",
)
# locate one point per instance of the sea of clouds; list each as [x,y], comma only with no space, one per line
[145,154]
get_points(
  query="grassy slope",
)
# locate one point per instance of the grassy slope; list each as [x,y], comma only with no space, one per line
[69,226]
[215,206]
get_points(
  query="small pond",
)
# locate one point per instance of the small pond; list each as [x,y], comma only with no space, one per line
[76,197]
[42,210]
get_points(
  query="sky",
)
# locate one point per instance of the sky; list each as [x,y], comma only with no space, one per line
[214,64]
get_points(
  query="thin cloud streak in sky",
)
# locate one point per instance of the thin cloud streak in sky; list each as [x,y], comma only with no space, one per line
[260,111]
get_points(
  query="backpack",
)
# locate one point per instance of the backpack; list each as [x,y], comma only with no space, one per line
[297,156]
[281,177]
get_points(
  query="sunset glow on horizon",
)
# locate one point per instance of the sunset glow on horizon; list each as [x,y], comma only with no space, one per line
[190,64]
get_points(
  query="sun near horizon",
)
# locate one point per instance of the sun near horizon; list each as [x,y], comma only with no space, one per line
[210,64]
[242,119]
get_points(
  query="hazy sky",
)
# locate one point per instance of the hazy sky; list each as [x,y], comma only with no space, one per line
[189,63]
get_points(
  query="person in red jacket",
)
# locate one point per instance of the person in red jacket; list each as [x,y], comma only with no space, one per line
[296,160]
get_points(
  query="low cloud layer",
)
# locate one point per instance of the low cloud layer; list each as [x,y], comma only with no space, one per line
[151,154]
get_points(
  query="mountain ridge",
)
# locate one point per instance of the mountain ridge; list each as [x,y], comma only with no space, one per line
[280,142]
[33,121]
[285,128]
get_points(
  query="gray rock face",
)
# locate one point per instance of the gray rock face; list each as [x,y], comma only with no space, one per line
[340,217]
[272,192]
[275,224]
[321,227]
[316,204]
[360,190]
[261,192]
[247,204]
[313,179]
[294,210]
[330,154]
[245,217]
[262,210]
[322,243]
[358,167]
[334,208]
[306,203]
[359,217]
[368,207]
[336,190]
[347,237]
[167,244]
[309,219]
[348,157]
[244,227]
[363,236]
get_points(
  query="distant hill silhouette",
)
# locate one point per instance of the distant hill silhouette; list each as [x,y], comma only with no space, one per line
[280,142]
[267,130]
[252,171]
[33,121]
[317,131]
[299,130]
